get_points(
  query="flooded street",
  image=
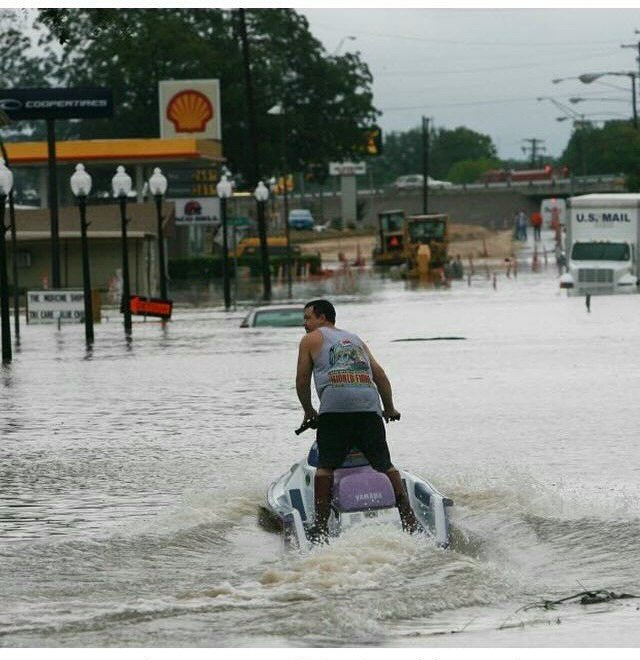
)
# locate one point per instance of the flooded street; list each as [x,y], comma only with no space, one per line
[131,478]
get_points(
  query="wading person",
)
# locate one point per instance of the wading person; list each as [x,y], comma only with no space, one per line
[350,384]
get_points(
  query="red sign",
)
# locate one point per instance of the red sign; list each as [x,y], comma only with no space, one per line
[151,307]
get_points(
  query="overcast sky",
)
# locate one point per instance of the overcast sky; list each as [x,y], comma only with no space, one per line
[485,68]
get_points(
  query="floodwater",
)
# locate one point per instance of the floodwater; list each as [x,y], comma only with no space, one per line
[131,478]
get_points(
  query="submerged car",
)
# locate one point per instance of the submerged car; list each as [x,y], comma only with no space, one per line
[301,219]
[275,316]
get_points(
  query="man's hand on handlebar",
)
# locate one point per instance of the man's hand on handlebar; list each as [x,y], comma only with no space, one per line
[391,415]
[310,421]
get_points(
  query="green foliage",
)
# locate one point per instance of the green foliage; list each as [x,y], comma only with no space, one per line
[206,268]
[613,148]
[403,152]
[470,170]
[328,99]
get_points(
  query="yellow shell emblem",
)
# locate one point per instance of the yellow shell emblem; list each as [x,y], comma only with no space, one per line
[189,111]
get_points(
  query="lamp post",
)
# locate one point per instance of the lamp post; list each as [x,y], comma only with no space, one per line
[6,184]
[121,184]
[588,78]
[261,193]
[81,187]
[158,187]
[225,191]
[280,110]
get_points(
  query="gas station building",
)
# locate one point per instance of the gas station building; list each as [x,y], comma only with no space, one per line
[139,156]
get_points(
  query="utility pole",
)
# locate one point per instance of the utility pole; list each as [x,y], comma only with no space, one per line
[425,165]
[633,79]
[253,134]
[534,146]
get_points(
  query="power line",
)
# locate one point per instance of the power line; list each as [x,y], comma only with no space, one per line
[407,37]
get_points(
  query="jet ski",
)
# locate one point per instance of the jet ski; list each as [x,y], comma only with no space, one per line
[360,496]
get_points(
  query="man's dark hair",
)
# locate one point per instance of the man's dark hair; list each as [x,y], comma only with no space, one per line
[323,307]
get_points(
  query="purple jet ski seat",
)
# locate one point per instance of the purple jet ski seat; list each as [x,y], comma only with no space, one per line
[358,488]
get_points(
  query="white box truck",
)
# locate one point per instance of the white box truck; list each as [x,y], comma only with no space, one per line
[601,243]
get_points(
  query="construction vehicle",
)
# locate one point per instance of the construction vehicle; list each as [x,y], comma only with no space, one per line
[389,250]
[419,242]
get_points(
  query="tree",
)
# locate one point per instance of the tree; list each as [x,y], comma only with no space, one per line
[451,146]
[328,99]
[470,170]
[403,152]
[613,148]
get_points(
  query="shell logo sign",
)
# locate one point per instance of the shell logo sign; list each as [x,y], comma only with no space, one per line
[190,108]
[189,111]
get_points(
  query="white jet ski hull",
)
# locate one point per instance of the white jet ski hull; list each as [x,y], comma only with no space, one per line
[290,504]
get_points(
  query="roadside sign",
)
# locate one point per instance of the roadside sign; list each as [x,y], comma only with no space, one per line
[347,168]
[142,306]
[197,211]
[55,306]
[238,221]
[57,103]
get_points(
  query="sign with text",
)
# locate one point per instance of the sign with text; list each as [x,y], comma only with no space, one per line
[197,211]
[57,103]
[190,108]
[51,306]
[347,168]
[151,307]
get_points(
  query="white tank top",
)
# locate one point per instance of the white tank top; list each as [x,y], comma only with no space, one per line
[342,374]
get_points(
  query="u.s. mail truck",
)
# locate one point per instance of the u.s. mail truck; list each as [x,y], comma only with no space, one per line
[601,243]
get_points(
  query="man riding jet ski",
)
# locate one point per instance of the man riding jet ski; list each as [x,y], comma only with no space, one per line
[349,383]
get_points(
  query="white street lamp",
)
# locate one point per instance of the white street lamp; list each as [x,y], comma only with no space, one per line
[121,183]
[225,191]
[81,187]
[6,179]
[158,187]
[6,184]
[261,193]
[81,181]
[224,187]
[157,182]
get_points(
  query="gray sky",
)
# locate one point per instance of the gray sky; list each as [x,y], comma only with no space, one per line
[484,68]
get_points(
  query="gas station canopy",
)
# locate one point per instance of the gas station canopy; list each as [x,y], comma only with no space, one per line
[138,150]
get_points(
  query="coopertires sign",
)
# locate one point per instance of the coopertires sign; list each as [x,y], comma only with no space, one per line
[57,103]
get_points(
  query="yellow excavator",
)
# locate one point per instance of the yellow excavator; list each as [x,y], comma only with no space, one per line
[419,241]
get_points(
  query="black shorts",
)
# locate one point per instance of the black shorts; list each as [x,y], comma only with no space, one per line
[338,433]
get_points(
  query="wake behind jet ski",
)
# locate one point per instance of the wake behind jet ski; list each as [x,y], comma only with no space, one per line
[360,496]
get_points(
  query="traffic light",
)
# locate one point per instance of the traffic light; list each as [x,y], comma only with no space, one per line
[374,141]
[316,172]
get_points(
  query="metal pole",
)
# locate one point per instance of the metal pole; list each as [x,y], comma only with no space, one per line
[633,100]
[14,270]
[235,259]
[285,199]
[14,256]
[125,304]
[253,135]
[163,275]
[53,204]
[264,253]
[4,288]
[225,255]
[425,165]
[86,273]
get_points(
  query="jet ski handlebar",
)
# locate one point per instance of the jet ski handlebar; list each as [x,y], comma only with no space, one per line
[308,424]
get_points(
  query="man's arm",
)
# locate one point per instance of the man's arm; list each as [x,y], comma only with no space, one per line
[384,387]
[303,377]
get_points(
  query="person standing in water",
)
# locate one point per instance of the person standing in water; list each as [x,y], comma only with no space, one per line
[350,384]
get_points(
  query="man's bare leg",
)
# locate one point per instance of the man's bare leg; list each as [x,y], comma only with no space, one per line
[322,500]
[409,522]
